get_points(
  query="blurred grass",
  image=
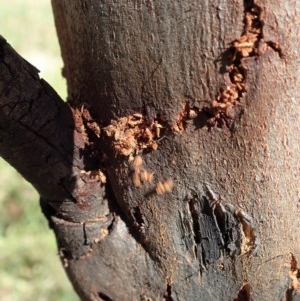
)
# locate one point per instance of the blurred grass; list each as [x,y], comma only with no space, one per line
[29,265]
[29,27]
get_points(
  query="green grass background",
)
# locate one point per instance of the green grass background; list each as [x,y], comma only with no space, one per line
[29,264]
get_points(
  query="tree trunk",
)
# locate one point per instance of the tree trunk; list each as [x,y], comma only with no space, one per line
[173,171]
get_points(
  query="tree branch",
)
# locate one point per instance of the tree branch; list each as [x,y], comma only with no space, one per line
[36,126]
[38,138]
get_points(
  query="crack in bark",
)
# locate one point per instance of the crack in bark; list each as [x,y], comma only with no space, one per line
[216,229]
[104,297]
[140,222]
[43,138]
[168,294]
[244,293]
[84,236]
[294,274]
[227,107]
[195,220]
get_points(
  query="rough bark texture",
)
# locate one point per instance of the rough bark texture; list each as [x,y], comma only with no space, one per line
[166,58]
[39,144]
[190,109]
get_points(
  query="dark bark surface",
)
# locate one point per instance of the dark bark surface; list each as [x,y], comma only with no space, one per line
[44,139]
[38,143]
[184,182]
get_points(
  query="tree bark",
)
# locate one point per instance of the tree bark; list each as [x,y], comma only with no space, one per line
[181,164]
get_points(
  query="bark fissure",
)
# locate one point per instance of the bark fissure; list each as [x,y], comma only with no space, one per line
[227,107]
[218,229]
[35,132]
[195,220]
[104,297]
[168,294]
[84,236]
[140,222]
[294,274]
[244,293]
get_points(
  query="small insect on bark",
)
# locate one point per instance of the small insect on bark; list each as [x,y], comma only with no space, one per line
[164,187]
[140,175]
[157,127]
[146,176]
[137,163]
[136,179]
